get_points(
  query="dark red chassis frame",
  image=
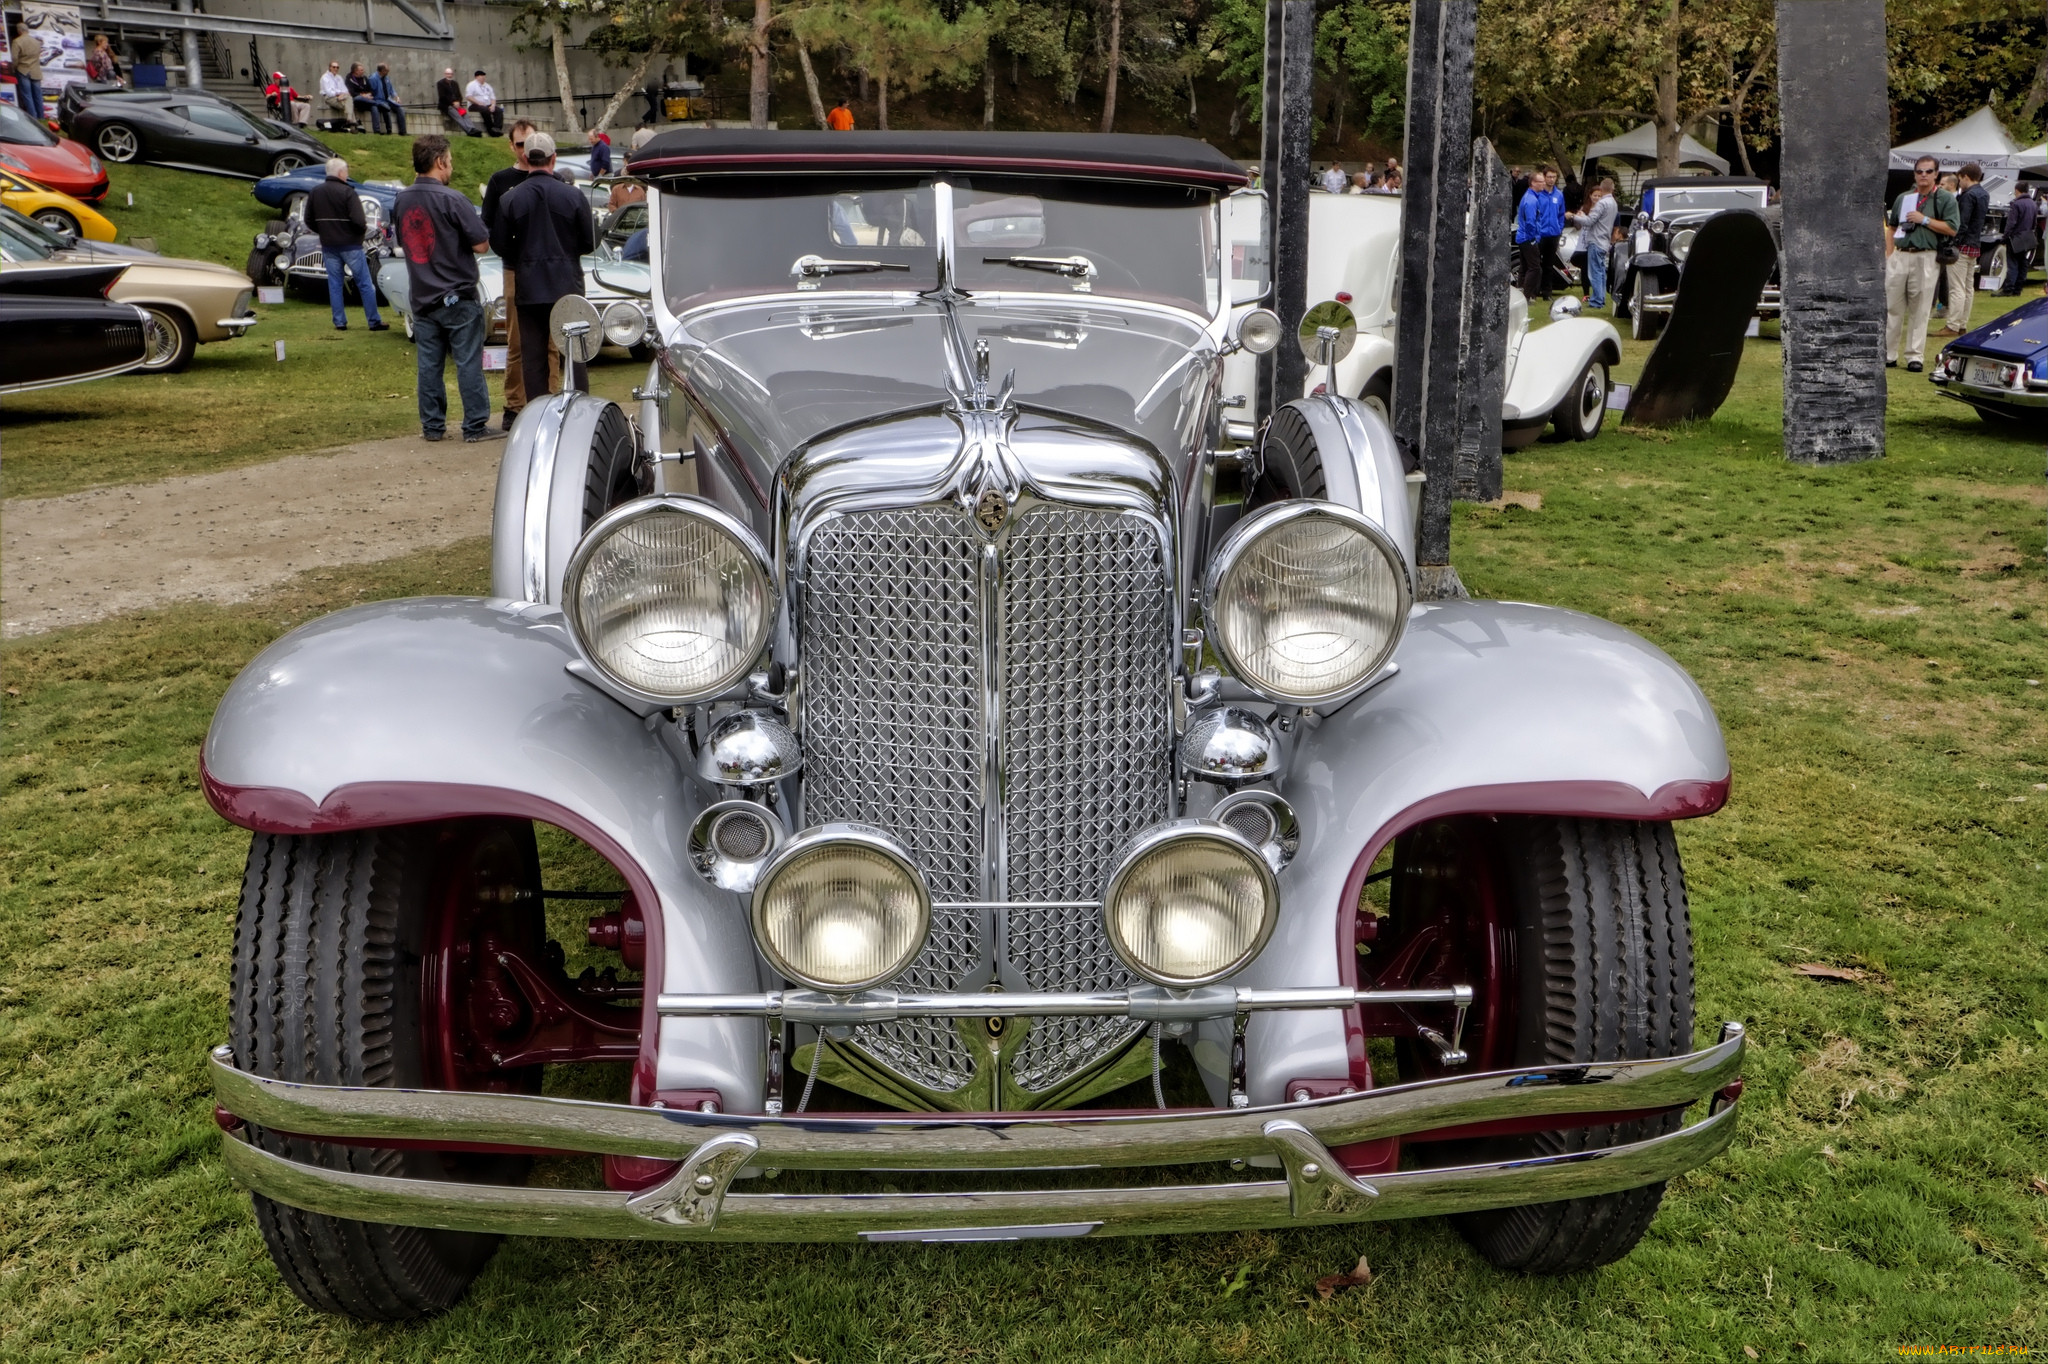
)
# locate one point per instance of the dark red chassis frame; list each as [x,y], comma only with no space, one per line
[367,805]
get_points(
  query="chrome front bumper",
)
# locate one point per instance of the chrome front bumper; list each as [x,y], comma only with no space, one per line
[1989,393]
[694,1203]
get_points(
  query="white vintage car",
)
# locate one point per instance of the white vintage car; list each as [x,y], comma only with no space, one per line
[1354,244]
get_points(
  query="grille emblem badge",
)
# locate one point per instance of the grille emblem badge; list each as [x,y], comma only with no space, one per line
[991,510]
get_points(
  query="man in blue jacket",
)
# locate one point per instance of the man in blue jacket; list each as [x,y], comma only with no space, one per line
[542,231]
[387,115]
[1539,224]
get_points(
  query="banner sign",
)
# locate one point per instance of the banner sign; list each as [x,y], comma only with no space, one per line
[62,34]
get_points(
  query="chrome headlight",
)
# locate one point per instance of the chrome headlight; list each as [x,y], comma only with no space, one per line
[624,324]
[1190,902]
[670,598]
[1306,601]
[841,907]
[1681,244]
[1658,226]
[498,308]
[373,215]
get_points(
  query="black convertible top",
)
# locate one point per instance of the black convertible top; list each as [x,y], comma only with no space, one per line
[1107,156]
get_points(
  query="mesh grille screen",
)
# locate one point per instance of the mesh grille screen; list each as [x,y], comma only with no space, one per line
[1088,728]
[891,662]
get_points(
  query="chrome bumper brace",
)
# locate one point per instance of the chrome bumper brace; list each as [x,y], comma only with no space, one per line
[694,1202]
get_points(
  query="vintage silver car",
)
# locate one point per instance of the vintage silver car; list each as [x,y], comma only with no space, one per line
[1036,816]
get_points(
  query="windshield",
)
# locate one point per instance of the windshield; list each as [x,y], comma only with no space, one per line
[24,239]
[1014,235]
[15,126]
[1721,197]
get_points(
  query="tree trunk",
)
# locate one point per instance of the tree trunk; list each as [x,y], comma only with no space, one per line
[988,88]
[1113,60]
[757,49]
[1669,129]
[1013,68]
[882,99]
[863,85]
[803,59]
[625,92]
[568,90]
[1191,99]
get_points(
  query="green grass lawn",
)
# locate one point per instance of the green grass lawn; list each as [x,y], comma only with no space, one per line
[1872,638]
[238,404]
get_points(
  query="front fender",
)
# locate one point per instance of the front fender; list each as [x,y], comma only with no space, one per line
[1498,708]
[1548,371]
[439,707]
[538,518]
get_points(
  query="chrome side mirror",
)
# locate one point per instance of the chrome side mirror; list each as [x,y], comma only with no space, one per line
[1328,332]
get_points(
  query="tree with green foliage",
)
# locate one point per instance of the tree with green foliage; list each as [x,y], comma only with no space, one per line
[901,44]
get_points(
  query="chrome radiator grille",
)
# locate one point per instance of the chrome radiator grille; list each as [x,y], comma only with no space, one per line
[891,674]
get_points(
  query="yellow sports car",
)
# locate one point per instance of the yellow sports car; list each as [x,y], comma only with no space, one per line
[62,214]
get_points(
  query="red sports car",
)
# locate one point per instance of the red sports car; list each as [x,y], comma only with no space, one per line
[58,162]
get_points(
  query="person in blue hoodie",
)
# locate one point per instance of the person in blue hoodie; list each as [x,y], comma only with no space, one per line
[1539,224]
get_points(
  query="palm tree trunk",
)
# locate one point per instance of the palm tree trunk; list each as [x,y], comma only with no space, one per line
[562,82]
[988,88]
[803,59]
[757,48]
[1114,59]
[625,92]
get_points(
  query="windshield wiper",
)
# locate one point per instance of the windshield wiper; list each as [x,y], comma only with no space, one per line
[1073,267]
[808,270]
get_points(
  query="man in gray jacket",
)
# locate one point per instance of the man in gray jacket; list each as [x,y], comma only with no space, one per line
[1596,235]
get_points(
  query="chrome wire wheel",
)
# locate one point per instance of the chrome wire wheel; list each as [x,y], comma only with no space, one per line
[118,143]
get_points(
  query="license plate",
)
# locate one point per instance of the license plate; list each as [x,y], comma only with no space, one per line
[1988,374]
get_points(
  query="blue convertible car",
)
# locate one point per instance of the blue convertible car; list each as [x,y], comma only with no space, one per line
[2001,368]
[289,190]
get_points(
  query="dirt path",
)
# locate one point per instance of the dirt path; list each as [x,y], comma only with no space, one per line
[224,536]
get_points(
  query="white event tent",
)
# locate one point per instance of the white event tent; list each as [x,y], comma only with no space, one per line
[1639,145]
[1980,138]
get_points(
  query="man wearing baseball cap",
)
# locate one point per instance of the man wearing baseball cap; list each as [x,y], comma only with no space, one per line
[542,231]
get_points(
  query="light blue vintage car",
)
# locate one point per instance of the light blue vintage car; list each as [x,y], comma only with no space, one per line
[1003,770]
[618,288]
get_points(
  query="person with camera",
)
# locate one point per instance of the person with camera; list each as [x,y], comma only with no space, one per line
[1922,221]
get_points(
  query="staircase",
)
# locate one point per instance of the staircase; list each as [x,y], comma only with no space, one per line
[222,59]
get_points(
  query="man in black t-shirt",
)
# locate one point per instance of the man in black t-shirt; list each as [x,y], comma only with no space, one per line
[494,193]
[442,236]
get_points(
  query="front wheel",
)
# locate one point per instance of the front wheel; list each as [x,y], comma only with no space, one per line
[1575,937]
[351,967]
[169,340]
[61,223]
[1579,416]
[285,162]
[1644,325]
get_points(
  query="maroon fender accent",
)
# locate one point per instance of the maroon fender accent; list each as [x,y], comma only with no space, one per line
[376,805]
[756,163]
[1687,799]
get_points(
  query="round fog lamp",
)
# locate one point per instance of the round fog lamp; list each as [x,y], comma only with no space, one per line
[670,598]
[624,324]
[841,907]
[1192,902]
[1259,331]
[1307,601]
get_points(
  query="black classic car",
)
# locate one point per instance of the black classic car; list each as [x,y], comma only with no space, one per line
[57,326]
[1647,264]
[192,130]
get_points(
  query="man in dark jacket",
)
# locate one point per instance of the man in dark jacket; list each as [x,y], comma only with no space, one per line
[1973,206]
[335,211]
[448,99]
[2022,240]
[495,189]
[442,237]
[543,231]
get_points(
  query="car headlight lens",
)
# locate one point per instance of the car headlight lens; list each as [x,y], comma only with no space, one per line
[373,215]
[1658,226]
[1681,243]
[97,168]
[624,324]
[1306,600]
[670,598]
[841,907]
[498,309]
[1191,902]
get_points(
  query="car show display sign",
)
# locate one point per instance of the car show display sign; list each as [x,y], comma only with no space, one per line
[62,34]
[1832,94]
